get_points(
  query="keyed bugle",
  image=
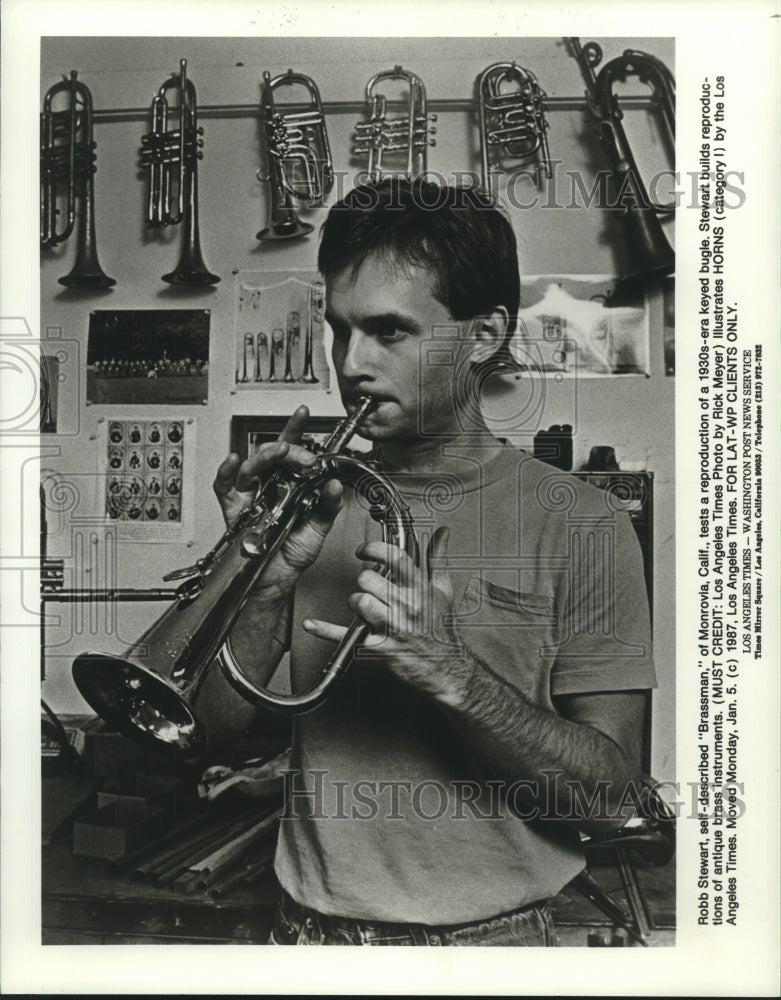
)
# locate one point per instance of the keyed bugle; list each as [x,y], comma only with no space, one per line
[405,139]
[67,169]
[298,154]
[170,157]
[168,690]
[648,251]
[512,119]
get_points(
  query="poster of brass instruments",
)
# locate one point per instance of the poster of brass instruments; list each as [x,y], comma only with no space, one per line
[582,324]
[148,477]
[280,324]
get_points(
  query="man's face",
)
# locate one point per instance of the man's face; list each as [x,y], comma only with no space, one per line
[381,317]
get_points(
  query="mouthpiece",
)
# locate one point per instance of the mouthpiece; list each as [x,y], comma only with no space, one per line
[345,430]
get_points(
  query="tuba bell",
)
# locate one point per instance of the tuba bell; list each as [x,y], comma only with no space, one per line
[299,156]
[68,158]
[179,688]
[170,157]
[648,251]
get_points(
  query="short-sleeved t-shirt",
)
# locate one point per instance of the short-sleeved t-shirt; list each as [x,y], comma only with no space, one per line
[393,816]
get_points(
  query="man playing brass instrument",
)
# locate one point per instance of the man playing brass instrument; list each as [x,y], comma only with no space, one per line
[435,797]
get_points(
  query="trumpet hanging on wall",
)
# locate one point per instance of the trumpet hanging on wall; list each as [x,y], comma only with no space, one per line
[170,157]
[395,144]
[67,168]
[512,120]
[298,154]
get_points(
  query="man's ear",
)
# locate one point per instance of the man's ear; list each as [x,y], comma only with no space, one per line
[487,333]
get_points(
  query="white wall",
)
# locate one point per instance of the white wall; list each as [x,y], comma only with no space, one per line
[634,414]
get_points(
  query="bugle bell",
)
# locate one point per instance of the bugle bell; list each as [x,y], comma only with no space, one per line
[179,688]
[170,157]
[67,169]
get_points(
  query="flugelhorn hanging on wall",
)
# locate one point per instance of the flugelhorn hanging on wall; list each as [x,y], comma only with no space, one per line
[400,144]
[170,157]
[648,251]
[512,119]
[298,153]
[67,168]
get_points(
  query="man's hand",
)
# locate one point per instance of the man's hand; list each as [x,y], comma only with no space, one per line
[236,483]
[594,740]
[410,611]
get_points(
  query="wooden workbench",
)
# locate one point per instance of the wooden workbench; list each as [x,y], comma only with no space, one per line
[87,901]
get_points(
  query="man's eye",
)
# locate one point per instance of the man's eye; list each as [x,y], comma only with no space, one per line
[390,334]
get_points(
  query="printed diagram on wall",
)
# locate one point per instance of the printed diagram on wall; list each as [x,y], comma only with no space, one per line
[148,476]
[148,356]
[280,326]
[569,324]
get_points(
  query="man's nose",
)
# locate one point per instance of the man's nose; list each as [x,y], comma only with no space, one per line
[358,356]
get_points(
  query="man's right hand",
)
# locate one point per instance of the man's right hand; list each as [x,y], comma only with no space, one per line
[236,483]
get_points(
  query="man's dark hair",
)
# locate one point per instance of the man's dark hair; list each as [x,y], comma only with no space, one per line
[456,233]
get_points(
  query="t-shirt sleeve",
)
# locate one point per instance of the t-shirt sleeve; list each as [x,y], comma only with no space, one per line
[605,628]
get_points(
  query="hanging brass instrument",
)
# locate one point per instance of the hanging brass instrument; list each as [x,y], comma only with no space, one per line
[68,161]
[299,156]
[648,251]
[170,157]
[409,134]
[168,690]
[512,119]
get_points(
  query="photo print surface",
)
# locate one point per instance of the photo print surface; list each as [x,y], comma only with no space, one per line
[148,356]
[148,476]
[582,324]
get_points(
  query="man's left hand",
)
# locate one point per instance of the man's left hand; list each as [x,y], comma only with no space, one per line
[410,611]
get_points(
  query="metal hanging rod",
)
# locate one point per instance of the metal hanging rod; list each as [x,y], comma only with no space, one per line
[454,104]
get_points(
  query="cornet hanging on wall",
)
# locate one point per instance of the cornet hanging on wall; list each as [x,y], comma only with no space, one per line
[298,153]
[512,120]
[395,145]
[171,158]
[67,168]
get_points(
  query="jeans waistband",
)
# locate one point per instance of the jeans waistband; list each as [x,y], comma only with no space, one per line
[299,913]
